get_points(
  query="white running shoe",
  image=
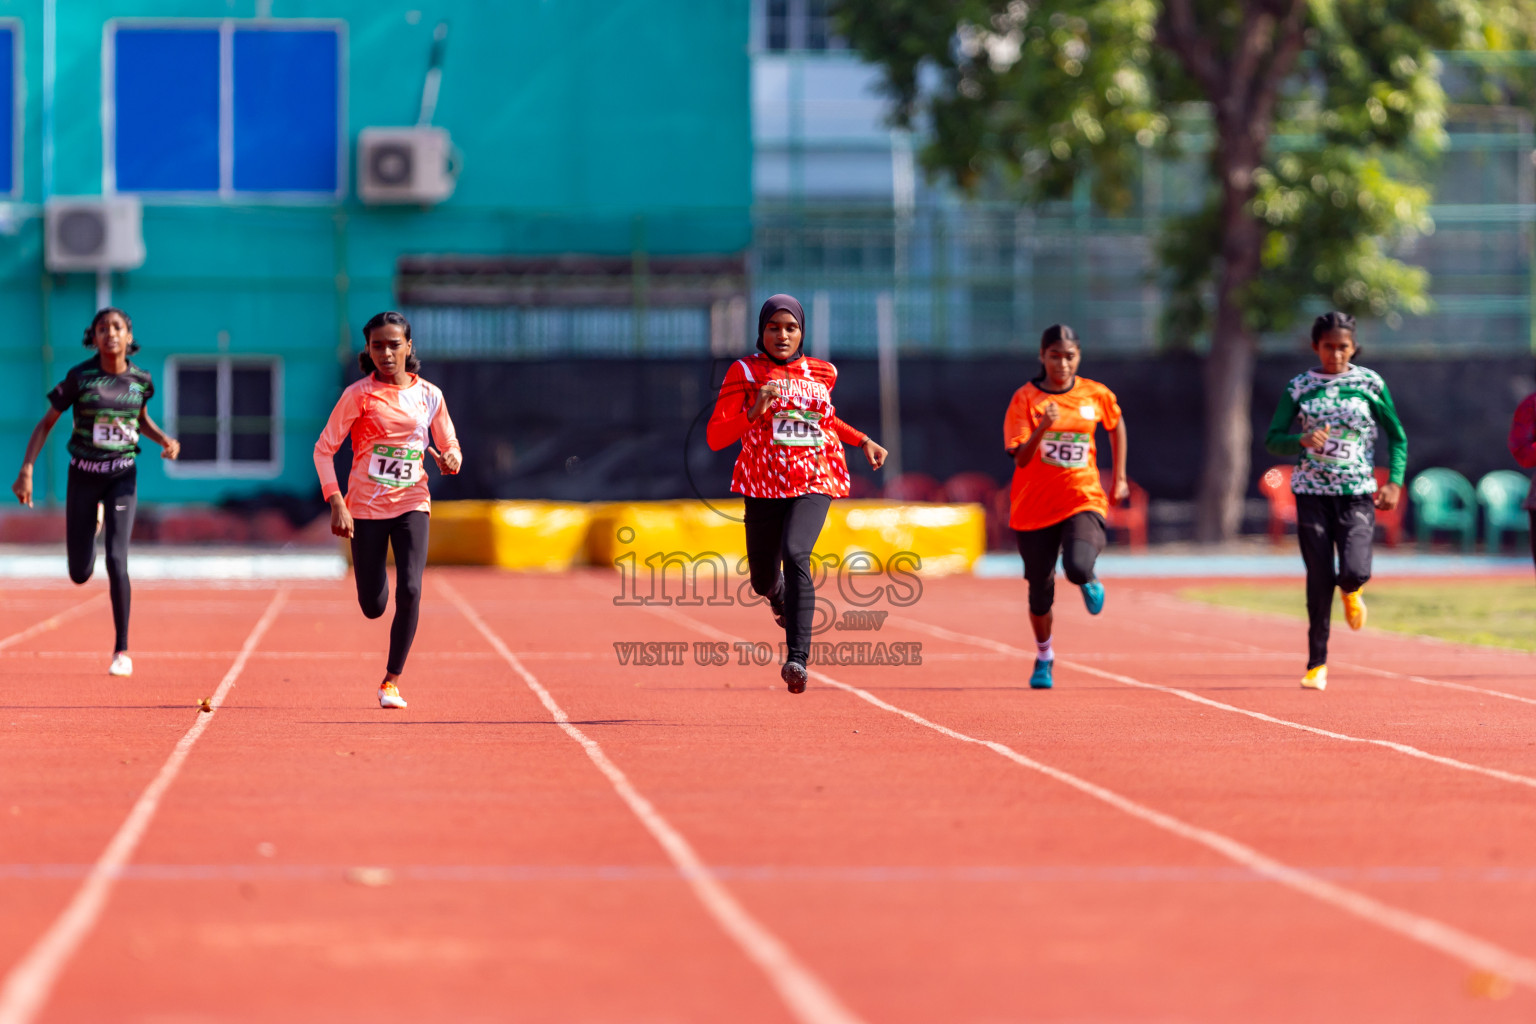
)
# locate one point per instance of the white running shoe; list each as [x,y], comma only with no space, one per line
[389,696]
[122,665]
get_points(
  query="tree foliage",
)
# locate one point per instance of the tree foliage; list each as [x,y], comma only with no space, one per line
[1315,122]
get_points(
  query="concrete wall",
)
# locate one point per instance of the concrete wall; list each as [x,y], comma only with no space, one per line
[585,126]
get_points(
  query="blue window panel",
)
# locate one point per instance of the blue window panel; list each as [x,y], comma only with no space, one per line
[286,99]
[166,91]
[7,110]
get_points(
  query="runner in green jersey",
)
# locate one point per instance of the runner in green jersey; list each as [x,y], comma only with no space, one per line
[110,398]
[1342,409]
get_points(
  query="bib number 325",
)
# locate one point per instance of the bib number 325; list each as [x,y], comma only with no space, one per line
[1065,448]
[394,467]
[1338,450]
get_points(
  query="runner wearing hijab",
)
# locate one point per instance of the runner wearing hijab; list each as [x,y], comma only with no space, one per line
[110,396]
[1057,503]
[1342,409]
[778,404]
[387,414]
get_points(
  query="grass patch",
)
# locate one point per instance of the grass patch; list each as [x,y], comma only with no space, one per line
[1494,613]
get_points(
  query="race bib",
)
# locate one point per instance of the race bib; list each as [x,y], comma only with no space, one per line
[1338,450]
[1065,448]
[798,427]
[394,467]
[114,432]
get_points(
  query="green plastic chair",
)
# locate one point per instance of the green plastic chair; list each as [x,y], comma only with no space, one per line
[1444,500]
[1502,493]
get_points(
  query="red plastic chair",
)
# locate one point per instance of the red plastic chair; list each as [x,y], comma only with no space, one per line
[1391,523]
[969,487]
[913,487]
[1275,485]
[1000,536]
[1130,518]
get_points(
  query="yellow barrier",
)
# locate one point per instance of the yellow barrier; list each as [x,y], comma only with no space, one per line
[552,535]
[944,538]
[547,535]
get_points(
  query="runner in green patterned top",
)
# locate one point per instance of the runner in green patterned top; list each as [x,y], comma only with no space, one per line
[1342,409]
[110,397]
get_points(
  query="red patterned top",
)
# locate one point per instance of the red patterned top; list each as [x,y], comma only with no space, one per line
[794,448]
[1522,440]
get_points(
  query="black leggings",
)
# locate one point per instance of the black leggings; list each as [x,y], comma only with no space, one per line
[371,539]
[782,532]
[117,493]
[1078,539]
[1325,523]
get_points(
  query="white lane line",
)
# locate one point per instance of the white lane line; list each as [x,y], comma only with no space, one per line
[1401,748]
[1443,683]
[805,995]
[295,655]
[1469,949]
[1175,604]
[52,623]
[29,983]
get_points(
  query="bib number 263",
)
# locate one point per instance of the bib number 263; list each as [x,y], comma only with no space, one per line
[1065,448]
[394,467]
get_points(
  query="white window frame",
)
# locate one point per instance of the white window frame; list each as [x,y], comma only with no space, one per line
[222,465]
[19,103]
[226,192]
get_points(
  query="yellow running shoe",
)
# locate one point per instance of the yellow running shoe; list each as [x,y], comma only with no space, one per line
[1316,678]
[1354,609]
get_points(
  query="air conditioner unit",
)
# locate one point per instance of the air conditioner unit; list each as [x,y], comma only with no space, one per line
[93,233]
[405,165]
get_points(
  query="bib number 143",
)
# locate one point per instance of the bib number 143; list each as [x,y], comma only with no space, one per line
[1065,448]
[394,467]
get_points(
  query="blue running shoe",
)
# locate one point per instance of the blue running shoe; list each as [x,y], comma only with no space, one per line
[1040,678]
[1093,596]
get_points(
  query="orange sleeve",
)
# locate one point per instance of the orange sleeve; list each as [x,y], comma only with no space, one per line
[1018,423]
[336,430]
[1109,407]
[845,433]
[442,428]
[729,420]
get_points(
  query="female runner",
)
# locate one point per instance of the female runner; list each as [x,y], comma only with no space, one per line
[1057,503]
[387,414]
[778,404]
[1342,408]
[1522,445]
[111,397]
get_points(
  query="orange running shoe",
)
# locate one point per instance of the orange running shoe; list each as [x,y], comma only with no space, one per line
[1316,678]
[389,696]
[1354,609]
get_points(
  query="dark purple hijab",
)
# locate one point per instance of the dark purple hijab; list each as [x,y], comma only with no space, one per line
[774,304]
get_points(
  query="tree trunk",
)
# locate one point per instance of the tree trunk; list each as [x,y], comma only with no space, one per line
[1229,366]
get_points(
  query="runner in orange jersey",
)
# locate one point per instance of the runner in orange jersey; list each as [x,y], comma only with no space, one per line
[388,415]
[1057,504]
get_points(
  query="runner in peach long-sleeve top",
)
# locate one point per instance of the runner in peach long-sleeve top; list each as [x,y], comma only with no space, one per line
[388,424]
[390,415]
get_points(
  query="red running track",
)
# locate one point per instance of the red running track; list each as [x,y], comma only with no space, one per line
[1177,832]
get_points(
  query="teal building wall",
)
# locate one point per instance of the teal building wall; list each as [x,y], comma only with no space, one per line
[584,126]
